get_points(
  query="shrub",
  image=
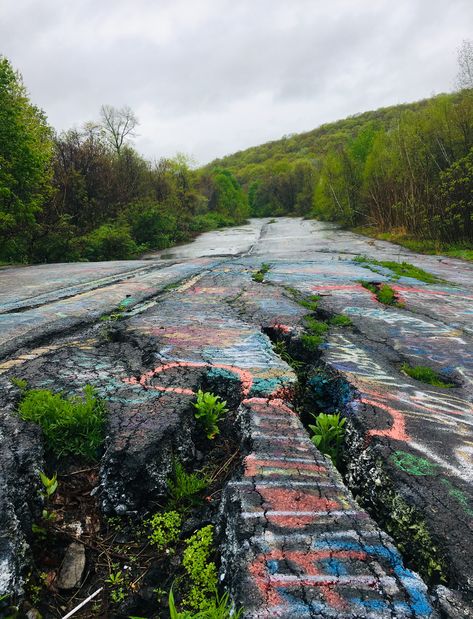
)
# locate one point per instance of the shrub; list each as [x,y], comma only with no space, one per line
[73,425]
[209,412]
[108,242]
[151,224]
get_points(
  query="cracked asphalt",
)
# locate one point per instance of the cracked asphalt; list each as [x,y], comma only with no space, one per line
[297,540]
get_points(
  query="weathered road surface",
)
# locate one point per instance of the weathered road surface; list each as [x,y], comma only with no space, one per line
[295,543]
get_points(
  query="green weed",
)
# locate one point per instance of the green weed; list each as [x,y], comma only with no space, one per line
[20,383]
[329,430]
[281,350]
[340,321]
[384,293]
[220,607]
[209,411]
[316,327]
[201,571]
[165,529]
[311,343]
[73,425]
[49,484]
[425,374]
[401,269]
[258,276]
[185,488]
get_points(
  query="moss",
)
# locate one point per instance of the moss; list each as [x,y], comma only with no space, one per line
[413,539]
[425,374]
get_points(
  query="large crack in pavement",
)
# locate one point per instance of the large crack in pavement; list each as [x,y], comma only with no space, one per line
[294,541]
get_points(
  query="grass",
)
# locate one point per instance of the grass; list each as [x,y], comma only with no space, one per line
[463,251]
[71,426]
[340,320]
[314,326]
[425,374]
[311,342]
[384,293]
[401,269]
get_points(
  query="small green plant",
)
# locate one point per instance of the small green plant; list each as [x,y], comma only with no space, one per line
[384,293]
[202,572]
[258,276]
[165,529]
[280,349]
[49,484]
[118,584]
[311,343]
[314,326]
[73,425]
[115,315]
[425,374]
[400,269]
[220,607]
[209,411]
[184,487]
[340,321]
[309,302]
[329,430]
[20,383]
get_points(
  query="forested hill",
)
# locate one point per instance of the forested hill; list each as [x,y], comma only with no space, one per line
[406,168]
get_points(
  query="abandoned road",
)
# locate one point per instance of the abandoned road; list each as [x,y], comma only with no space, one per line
[391,535]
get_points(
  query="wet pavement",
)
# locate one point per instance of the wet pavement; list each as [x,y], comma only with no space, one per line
[297,542]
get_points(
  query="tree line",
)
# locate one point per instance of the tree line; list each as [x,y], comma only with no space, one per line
[87,194]
[405,169]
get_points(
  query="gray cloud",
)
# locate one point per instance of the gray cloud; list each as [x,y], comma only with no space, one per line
[209,77]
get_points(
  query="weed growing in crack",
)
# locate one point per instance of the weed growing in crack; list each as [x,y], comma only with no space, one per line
[201,571]
[400,269]
[185,488]
[73,425]
[311,343]
[258,276]
[220,608]
[425,374]
[314,326]
[280,349]
[329,431]
[340,320]
[309,302]
[165,529]
[384,293]
[209,411]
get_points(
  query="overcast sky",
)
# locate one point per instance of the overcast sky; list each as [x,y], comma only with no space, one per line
[209,77]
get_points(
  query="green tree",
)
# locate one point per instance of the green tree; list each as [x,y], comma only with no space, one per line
[25,170]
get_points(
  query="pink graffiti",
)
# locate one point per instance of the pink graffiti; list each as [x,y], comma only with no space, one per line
[289,500]
[268,583]
[398,429]
[245,376]
[254,465]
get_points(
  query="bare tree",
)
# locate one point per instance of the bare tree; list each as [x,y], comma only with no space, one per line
[465,65]
[118,125]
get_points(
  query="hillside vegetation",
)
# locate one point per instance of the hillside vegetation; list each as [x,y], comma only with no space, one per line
[405,170]
[86,194]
